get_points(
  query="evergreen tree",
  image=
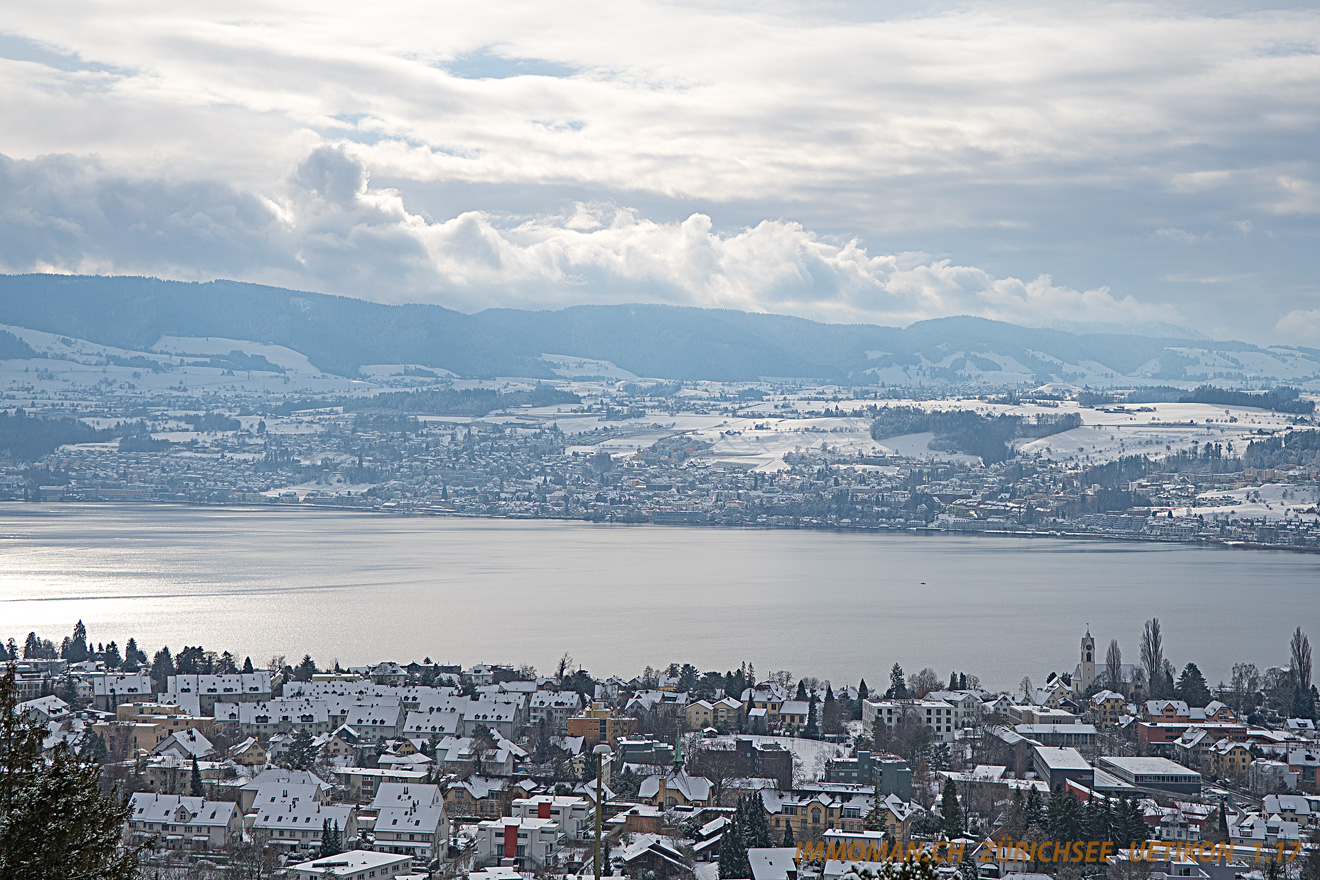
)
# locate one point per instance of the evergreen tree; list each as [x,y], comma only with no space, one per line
[1034,810]
[75,649]
[788,834]
[733,852]
[301,754]
[305,670]
[962,681]
[863,692]
[332,843]
[757,823]
[162,667]
[111,656]
[801,690]
[247,664]
[606,866]
[829,712]
[898,689]
[54,822]
[950,812]
[967,867]
[953,681]
[133,657]
[812,730]
[1191,687]
[195,782]
[1063,821]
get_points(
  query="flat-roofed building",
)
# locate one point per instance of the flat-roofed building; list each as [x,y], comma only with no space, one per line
[355,864]
[1157,773]
[1058,765]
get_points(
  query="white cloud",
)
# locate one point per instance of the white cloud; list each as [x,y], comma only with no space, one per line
[1300,327]
[330,230]
[1034,137]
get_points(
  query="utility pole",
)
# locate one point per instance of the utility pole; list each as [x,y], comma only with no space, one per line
[600,752]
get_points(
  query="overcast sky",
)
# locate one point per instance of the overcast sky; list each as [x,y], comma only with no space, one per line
[1062,164]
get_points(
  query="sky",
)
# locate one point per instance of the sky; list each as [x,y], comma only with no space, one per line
[1084,166]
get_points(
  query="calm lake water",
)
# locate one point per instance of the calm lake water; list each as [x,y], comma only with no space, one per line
[360,587]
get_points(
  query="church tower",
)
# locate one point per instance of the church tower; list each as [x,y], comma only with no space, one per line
[1087,677]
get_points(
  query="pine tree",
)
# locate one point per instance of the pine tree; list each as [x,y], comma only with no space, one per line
[950,812]
[1034,809]
[132,656]
[898,689]
[788,834]
[332,843]
[801,690]
[162,667]
[302,753]
[1191,687]
[863,692]
[56,823]
[812,730]
[195,783]
[247,664]
[733,852]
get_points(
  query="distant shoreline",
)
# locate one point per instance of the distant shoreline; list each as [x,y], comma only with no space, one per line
[920,531]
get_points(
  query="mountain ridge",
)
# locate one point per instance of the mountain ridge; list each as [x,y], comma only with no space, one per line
[340,334]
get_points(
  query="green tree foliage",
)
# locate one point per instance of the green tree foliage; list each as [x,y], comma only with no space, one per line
[898,689]
[162,667]
[1191,687]
[301,754]
[134,658]
[733,853]
[812,730]
[305,669]
[55,824]
[950,811]
[195,780]
[27,438]
[332,843]
[788,840]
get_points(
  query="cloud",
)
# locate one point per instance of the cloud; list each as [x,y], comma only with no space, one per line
[1300,327]
[330,230]
[1026,138]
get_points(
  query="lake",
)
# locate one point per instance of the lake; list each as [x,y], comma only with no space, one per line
[358,587]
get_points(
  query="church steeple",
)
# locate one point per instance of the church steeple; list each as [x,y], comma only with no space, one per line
[1086,671]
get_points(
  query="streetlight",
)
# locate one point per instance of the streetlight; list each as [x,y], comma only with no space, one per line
[600,752]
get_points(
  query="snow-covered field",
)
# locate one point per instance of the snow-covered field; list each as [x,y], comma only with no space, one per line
[1272,501]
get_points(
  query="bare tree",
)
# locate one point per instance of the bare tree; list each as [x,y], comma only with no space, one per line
[924,682]
[1246,682]
[1114,667]
[1152,656]
[1299,662]
[1025,685]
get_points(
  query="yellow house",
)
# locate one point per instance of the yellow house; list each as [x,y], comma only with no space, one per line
[725,713]
[144,726]
[1229,759]
[249,753]
[1106,708]
[793,715]
[813,815]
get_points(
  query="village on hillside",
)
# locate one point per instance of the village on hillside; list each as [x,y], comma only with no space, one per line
[495,772]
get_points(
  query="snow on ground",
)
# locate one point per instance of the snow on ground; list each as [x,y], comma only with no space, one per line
[570,366]
[809,755]
[918,446]
[208,346]
[1273,501]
